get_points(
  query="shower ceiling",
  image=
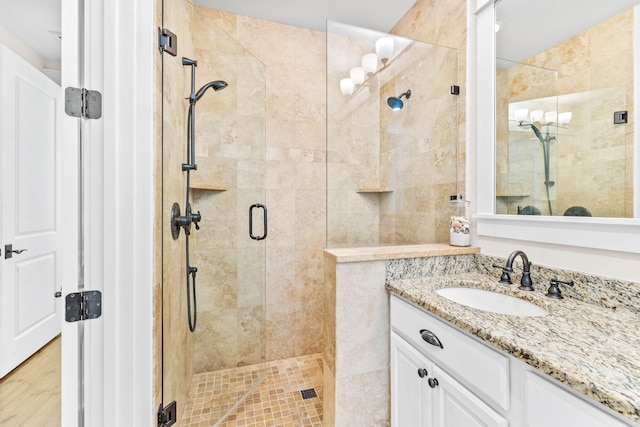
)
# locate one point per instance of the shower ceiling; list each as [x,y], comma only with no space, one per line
[380,15]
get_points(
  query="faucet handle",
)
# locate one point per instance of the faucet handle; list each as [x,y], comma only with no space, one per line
[505,277]
[554,288]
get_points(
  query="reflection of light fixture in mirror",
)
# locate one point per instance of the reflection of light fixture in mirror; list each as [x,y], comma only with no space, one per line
[346,86]
[384,48]
[564,118]
[357,75]
[521,115]
[370,63]
[551,117]
[536,116]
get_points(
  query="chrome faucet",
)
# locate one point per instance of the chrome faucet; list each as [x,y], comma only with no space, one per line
[525,282]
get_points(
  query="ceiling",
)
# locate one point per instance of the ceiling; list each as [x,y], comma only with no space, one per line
[34,22]
[528,27]
[379,15]
[37,22]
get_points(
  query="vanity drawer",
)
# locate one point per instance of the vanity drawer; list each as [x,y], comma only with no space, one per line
[480,368]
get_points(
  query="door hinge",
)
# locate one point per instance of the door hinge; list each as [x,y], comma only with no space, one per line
[167,42]
[455,90]
[167,416]
[83,103]
[84,305]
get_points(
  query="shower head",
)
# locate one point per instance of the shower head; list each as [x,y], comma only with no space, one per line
[396,102]
[534,129]
[216,85]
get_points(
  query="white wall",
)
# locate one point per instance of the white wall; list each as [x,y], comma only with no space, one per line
[49,68]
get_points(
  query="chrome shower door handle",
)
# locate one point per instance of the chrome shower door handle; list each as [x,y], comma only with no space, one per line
[264,216]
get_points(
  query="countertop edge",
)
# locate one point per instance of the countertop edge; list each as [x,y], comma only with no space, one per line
[383,253]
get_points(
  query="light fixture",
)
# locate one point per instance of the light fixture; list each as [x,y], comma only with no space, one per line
[384,48]
[551,117]
[564,118]
[346,86]
[357,75]
[536,116]
[370,63]
[521,115]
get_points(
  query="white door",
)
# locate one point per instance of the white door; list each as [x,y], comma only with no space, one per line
[30,209]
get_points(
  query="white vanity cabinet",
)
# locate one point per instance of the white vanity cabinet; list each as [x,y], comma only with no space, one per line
[476,385]
[424,395]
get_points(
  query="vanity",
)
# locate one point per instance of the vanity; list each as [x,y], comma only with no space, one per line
[397,352]
[473,373]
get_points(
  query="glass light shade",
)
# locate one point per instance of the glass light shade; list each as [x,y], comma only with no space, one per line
[521,115]
[346,86]
[564,118]
[357,75]
[536,116]
[551,117]
[384,48]
[370,63]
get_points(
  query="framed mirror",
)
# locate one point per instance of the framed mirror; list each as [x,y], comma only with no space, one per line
[564,89]
[535,164]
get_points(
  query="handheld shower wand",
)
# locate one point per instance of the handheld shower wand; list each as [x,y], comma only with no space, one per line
[189,218]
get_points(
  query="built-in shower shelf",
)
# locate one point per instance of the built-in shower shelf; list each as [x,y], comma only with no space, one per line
[209,187]
[373,190]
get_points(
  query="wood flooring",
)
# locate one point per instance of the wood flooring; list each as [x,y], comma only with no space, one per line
[30,394]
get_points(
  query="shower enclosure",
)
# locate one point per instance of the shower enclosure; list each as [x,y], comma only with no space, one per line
[392,138]
[217,155]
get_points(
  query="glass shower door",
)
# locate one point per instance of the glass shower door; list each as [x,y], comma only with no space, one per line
[209,371]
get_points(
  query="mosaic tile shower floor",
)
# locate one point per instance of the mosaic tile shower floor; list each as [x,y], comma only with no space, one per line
[276,402]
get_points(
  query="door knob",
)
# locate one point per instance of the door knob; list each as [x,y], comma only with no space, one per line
[9,251]
[422,372]
[433,382]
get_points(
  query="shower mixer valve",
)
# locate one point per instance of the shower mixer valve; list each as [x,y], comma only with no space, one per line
[183,221]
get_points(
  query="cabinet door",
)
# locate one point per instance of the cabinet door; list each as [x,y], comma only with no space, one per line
[548,405]
[454,405]
[410,394]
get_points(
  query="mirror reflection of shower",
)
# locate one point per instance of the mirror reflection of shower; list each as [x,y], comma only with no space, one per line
[546,120]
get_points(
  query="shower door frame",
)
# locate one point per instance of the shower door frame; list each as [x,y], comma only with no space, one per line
[119,214]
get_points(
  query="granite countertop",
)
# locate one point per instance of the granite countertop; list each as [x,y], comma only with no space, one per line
[594,350]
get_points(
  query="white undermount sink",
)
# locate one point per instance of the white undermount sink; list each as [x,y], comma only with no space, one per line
[492,301]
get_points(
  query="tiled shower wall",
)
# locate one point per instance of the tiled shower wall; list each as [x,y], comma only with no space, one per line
[230,154]
[391,172]
[443,23]
[295,180]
